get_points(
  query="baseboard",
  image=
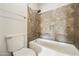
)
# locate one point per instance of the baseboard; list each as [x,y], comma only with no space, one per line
[4,54]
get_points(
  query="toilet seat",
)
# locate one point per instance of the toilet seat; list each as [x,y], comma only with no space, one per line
[24,52]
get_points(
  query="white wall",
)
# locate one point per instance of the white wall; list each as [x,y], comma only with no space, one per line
[11,21]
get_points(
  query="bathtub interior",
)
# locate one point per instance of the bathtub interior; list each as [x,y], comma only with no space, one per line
[53,45]
[43,51]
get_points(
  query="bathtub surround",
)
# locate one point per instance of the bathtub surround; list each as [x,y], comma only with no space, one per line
[76,24]
[33,24]
[56,22]
[61,23]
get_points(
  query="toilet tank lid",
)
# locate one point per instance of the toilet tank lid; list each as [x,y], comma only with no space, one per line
[13,35]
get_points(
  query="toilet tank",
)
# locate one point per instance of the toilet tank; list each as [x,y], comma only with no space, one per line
[16,42]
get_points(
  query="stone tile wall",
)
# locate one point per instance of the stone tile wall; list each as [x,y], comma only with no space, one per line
[59,23]
[33,25]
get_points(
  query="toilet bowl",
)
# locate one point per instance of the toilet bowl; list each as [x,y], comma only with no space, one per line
[17,45]
[24,52]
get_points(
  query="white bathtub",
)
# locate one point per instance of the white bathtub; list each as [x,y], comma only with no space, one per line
[44,47]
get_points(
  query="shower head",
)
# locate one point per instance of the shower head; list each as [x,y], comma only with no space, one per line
[39,11]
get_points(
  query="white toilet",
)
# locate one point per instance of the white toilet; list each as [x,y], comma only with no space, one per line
[16,45]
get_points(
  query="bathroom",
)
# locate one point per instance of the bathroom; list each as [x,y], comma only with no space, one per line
[39,29]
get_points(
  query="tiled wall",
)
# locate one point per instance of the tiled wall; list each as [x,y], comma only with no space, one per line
[59,23]
[76,24]
[33,24]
